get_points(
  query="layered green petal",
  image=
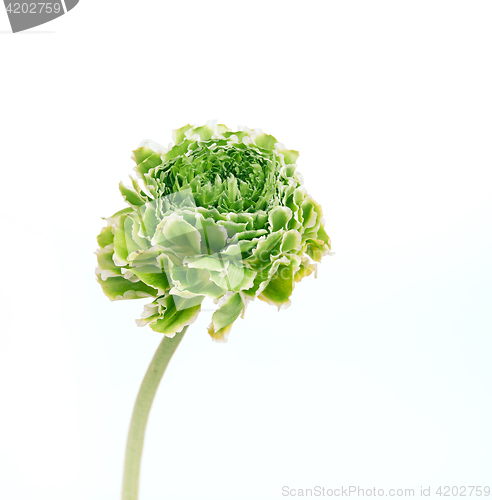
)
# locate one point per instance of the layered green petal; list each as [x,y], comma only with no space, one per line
[281,286]
[230,307]
[175,313]
[119,288]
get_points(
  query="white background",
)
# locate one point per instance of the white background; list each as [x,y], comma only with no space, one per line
[378,375]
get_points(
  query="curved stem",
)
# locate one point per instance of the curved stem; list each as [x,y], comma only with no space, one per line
[141,410]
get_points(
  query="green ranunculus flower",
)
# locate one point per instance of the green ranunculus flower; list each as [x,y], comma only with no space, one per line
[220,213]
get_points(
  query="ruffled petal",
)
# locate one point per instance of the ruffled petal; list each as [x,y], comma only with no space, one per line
[230,308]
[175,313]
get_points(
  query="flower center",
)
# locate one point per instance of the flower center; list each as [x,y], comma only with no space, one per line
[231,178]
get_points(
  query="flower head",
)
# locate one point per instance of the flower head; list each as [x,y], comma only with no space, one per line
[221,214]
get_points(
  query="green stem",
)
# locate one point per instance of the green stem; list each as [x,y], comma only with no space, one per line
[141,410]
